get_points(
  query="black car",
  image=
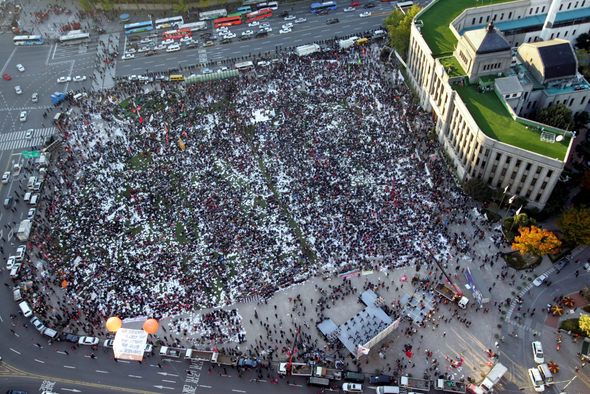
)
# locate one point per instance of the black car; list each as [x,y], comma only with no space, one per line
[226,41]
[283,14]
[66,336]
[369,5]
[261,33]
[381,379]
[332,21]
[8,202]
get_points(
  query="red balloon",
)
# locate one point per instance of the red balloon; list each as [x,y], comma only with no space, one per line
[113,323]
[150,326]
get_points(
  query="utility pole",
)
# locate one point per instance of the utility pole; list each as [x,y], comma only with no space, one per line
[293,350]
[457,290]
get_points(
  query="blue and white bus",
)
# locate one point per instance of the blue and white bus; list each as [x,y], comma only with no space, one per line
[327,5]
[74,37]
[138,27]
[166,23]
[28,40]
[273,5]
[213,14]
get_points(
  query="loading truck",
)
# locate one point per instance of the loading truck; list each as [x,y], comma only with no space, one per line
[305,50]
[224,359]
[328,373]
[345,44]
[448,293]
[415,384]
[24,230]
[450,386]
[171,352]
[493,377]
[297,369]
[201,355]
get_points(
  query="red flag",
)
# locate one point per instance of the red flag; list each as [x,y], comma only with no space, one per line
[140,119]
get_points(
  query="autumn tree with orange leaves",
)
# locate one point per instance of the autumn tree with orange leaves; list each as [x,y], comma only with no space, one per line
[536,241]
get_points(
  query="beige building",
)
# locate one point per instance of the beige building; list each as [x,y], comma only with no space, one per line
[476,98]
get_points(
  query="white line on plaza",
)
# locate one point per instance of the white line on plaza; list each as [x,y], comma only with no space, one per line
[238,391]
[16,351]
[134,376]
[204,386]
[69,366]
[8,61]
[40,361]
[168,381]
[99,371]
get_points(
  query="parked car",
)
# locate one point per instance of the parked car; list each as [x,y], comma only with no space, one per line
[247,362]
[20,67]
[537,282]
[20,252]
[64,79]
[23,116]
[10,262]
[290,18]
[85,340]
[536,380]
[300,20]
[127,56]
[332,21]
[79,78]
[38,324]
[6,177]
[35,97]
[349,9]
[6,77]
[66,336]
[538,355]
[380,379]
[365,14]
[369,5]
[18,90]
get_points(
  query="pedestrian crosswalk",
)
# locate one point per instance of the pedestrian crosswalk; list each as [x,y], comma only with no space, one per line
[18,140]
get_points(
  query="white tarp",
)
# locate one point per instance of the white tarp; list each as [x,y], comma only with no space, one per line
[130,344]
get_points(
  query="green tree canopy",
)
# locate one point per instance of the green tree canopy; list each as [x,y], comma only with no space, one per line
[478,189]
[575,225]
[398,25]
[513,223]
[557,115]
[583,41]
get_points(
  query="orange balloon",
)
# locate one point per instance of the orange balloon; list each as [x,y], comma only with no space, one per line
[151,326]
[113,323]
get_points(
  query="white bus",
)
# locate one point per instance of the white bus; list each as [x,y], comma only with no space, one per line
[165,23]
[194,26]
[244,66]
[403,6]
[273,5]
[74,37]
[28,40]
[213,14]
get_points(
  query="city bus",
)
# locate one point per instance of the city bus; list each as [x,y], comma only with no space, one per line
[214,14]
[403,6]
[244,66]
[327,5]
[273,5]
[74,37]
[263,13]
[176,34]
[138,27]
[229,21]
[194,26]
[28,40]
[165,23]
[244,9]
[250,2]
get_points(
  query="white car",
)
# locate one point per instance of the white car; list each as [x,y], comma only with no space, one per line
[127,56]
[20,68]
[230,35]
[349,9]
[6,177]
[536,380]
[173,48]
[167,42]
[23,116]
[537,282]
[287,25]
[79,78]
[131,50]
[267,29]
[300,20]
[18,90]
[35,97]
[88,341]
[63,79]
[29,134]
[38,324]
[587,267]
[538,352]
[160,47]
[365,14]
[145,41]
[284,31]
[290,18]
[20,252]
[31,213]
[352,387]
[247,33]
[253,24]
[10,262]
[143,49]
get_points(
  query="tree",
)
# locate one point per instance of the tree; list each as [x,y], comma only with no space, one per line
[478,189]
[575,225]
[583,41]
[513,223]
[557,115]
[180,7]
[536,241]
[584,323]
[398,25]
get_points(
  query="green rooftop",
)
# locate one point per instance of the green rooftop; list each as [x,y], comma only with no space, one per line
[451,64]
[495,121]
[437,18]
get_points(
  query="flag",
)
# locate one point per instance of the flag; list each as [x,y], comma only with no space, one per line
[518,211]
[512,199]
[506,188]
[181,143]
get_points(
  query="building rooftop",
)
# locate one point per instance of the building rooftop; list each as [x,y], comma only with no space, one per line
[557,56]
[495,121]
[508,85]
[487,40]
[436,19]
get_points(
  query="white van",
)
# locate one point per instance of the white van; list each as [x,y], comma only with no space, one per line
[352,387]
[31,183]
[50,332]
[34,199]
[173,48]
[16,294]
[545,373]
[27,196]
[387,390]
[25,309]
[15,270]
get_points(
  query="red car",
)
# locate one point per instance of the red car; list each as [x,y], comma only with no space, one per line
[355,3]
[7,77]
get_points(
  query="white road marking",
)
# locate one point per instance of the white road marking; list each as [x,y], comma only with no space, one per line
[40,361]
[99,371]
[168,381]
[16,351]
[205,386]
[134,376]
[124,361]
[69,366]
[238,391]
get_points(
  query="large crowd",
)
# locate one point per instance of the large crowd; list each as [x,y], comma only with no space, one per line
[168,198]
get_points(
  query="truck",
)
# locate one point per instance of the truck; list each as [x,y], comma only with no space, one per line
[44,159]
[57,97]
[224,359]
[345,44]
[415,384]
[450,386]
[304,50]
[297,369]
[448,293]
[201,355]
[493,377]
[328,373]
[24,230]
[171,352]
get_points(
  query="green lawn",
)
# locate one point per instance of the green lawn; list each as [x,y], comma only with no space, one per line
[437,18]
[452,66]
[495,121]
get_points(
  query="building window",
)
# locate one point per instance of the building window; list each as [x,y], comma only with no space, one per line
[513,175]
[534,182]
[502,16]
[543,185]
[552,35]
[480,19]
[531,11]
[565,34]
[518,162]
[510,16]
[574,32]
[558,34]
[569,6]
[473,21]
[537,10]
[528,166]
[560,7]
[582,99]
[487,18]
[549,173]
[538,196]
[543,9]
[571,101]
